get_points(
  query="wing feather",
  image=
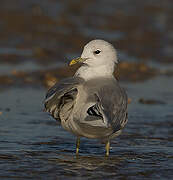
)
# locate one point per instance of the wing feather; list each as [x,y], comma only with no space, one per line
[62,94]
[109,104]
[112,102]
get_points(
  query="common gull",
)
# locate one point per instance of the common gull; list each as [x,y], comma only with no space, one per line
[91,103]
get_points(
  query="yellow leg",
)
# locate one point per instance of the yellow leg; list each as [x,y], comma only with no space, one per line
[77,145]
[107,147]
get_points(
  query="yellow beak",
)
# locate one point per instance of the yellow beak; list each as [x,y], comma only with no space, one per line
[74,61]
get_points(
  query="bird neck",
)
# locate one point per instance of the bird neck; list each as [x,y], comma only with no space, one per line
[88,72]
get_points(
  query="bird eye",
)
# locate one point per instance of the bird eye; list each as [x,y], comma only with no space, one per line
[97,52]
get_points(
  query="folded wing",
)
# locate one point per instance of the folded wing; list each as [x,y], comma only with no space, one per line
[110,108]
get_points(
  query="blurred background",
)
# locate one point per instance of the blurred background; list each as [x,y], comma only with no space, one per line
[38,38]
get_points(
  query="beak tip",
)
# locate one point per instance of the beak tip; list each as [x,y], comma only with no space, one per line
[72,62]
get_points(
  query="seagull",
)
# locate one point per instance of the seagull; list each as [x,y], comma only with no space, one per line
[91,103]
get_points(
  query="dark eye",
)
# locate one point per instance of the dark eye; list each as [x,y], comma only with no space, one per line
[97,52]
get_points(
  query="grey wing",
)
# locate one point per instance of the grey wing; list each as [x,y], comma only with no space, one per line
[113,103]
[62,97]
[110,106]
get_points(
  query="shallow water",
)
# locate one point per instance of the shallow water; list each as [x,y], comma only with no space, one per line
[37,35]
[34,146]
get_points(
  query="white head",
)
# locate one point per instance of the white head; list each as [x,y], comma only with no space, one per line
[99,52]
[99,59]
